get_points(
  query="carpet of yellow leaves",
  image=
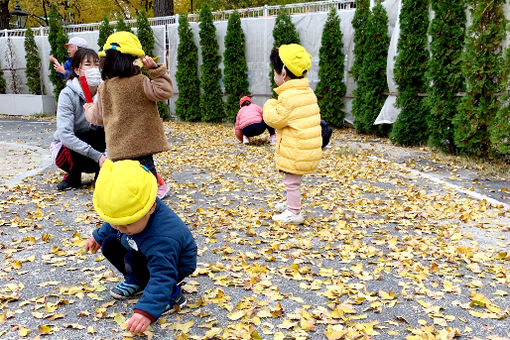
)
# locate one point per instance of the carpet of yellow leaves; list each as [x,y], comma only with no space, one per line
[383,253]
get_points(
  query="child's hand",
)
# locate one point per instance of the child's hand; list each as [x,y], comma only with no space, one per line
[92,245]
[138,323]
[148,63]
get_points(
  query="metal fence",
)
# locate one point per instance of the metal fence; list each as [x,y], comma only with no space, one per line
[265,11]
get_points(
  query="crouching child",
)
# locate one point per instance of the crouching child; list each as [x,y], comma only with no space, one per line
[144,239]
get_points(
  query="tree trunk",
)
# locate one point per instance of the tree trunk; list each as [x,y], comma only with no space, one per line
[163,8]
[4,14]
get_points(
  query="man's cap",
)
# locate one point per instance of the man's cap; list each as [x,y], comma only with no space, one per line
[124,42]
[80,42]
[245,98]
[125,192]
[296,59]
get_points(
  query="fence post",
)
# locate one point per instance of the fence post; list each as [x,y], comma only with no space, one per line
[266,11]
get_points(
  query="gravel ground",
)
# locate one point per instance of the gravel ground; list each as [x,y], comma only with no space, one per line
[395,244]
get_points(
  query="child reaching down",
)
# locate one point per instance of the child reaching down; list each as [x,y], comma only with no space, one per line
[296,117]
[126,103]
[249,122]
[144,239]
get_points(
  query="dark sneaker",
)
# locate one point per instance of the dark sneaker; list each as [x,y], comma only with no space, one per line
[125,290]
[69,183]
[177,301]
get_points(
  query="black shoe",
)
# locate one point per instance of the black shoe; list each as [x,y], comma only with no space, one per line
[69,183]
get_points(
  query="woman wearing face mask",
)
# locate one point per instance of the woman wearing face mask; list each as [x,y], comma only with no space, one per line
[78,146]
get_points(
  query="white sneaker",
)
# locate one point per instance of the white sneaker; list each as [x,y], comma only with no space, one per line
[246,140]
[289,217]
[281,207]
[272,140]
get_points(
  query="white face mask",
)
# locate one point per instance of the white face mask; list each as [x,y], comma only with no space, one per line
[93,76]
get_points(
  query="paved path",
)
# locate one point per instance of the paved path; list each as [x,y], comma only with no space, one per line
[395,244]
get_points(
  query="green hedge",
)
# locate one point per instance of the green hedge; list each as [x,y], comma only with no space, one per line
[105,30]
[57,37]
[410,66]
[187,106]
[211,102]
[482,66]
[447,31]
[331,88]
[369,96]
[236,69]
[33,62]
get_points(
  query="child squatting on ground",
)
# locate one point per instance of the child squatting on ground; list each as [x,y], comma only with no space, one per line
[249,122]
[126,103]
[296,117]
[144,239]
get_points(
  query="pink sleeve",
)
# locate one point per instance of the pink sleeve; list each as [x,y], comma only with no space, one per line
[238,131]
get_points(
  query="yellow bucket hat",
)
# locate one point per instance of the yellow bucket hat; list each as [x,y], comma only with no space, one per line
[125,191]
[296,59]
[127,43]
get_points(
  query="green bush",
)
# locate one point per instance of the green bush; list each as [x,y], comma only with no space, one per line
[144,33]
[187,106]
[105,30]
[410,66]
[57,37]
[447,31]
[482,62]
[359,22]
[284,32]
[3,85]
[369,96]
[331,88]
[236,69]
[164,110]
[500,126]
[33,68]
[122,26]
[211,102]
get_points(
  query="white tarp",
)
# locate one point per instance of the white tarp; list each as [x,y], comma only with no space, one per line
[18,63]
[259,42]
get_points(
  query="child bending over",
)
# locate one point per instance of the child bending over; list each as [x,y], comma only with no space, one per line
[249,122]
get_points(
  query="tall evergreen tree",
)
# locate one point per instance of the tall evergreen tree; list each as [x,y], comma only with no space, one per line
[369,96]
[144,33]
[331,88]
[499,128]
[359,22]
[284,32]
[33,68]
[236,69]
[410,66]
[122,26]
[447,30]
[211,102]
[105,30]
[57,38]
[482,62]
[187,106]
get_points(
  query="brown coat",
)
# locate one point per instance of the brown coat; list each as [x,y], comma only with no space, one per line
[127,109]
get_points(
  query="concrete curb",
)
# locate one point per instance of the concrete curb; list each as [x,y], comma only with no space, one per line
[44,163]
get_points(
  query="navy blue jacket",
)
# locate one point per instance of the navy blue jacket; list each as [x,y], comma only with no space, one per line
[169,247]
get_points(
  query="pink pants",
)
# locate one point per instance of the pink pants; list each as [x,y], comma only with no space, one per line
[293,185]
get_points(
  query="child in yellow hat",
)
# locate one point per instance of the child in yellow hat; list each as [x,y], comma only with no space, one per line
[144,239]
[126,103]
[296,117]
